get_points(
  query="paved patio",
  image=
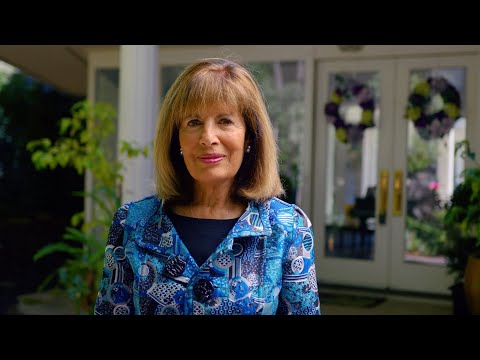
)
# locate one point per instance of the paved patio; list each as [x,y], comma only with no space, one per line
[54,304]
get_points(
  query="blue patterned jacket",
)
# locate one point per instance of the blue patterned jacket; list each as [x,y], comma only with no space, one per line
[265,265]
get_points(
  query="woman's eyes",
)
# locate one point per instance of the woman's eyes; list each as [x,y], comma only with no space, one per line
[193,122]
[225,121]
[196,122]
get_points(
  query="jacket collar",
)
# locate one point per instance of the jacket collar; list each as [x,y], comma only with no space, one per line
[150,213]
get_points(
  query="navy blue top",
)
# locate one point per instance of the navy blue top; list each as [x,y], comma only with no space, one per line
[201,236]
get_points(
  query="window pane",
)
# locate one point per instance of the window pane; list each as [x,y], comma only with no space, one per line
[433,171]
[352,164]
[106,90]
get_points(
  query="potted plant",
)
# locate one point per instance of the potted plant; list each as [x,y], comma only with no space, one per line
[462,242]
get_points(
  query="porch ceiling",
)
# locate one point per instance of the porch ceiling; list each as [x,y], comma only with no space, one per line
[62,66]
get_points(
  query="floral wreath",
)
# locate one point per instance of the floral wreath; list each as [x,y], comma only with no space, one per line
[437,124]
[345,132]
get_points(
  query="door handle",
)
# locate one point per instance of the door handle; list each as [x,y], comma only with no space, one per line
[397,193]
[382,203]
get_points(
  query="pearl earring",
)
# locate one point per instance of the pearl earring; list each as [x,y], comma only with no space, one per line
[248,149]
[181,152]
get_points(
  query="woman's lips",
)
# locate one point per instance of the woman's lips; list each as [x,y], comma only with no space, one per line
[211,158]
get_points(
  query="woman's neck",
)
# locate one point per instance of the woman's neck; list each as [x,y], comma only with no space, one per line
[212,202]
[212,196]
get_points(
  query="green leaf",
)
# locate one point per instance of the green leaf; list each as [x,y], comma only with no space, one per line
[63,159]
[64,125]
[475,190]
[32,145]
[78,235]
[77,218]
[79,165]
[46,143]
[37,157]
[55,248]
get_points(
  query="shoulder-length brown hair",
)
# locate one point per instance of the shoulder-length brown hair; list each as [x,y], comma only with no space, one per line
[207,82]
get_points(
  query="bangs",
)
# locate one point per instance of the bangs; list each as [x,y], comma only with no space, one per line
[207,89]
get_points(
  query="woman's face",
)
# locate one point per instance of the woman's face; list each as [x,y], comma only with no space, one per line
[213,144]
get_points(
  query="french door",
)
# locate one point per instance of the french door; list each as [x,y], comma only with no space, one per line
[381,182]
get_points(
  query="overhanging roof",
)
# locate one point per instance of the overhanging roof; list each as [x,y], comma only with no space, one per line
[62,66]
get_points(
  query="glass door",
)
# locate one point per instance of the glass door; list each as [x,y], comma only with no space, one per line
[353,155]
[385,166]
[436,95]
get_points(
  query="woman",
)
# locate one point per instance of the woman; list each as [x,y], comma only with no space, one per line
[215,239]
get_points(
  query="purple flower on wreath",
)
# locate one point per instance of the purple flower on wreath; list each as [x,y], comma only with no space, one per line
[367,104]
[344,132]
[362,93]
[331,109]
[421,122]
[438,84]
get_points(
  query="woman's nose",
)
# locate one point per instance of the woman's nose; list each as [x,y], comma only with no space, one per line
[208,136]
